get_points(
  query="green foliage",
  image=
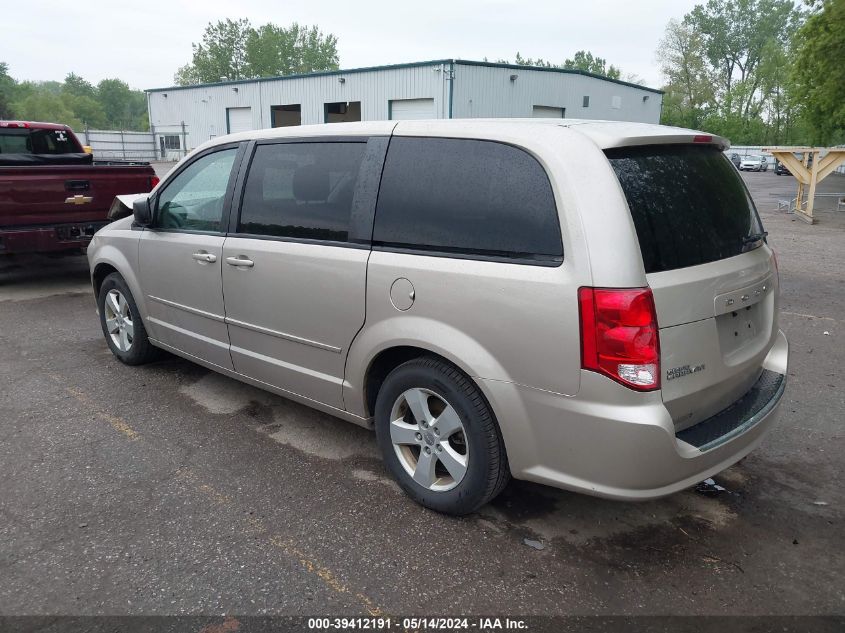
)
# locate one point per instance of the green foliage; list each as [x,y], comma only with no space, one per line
[689,89]
[75,102]
[43,105]
[234,49]
[736,34]
[6,86]
[818,74]
[727,69]
[125,108]
[582,60]
[274,50]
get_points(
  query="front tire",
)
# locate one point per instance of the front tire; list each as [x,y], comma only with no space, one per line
[438,437]
[121,322]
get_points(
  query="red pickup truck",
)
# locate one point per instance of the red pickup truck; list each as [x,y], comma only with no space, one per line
[53,195]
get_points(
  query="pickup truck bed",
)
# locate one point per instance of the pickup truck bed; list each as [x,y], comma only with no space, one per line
[48,206]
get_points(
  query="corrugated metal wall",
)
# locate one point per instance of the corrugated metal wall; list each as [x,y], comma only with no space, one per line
[479,91]
[484,91]
[120,144]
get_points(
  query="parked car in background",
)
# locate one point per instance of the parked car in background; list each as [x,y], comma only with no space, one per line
[780,169]
[53,195]
[497,298]
[735,159]
[754,163]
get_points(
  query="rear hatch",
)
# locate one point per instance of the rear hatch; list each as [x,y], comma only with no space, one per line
[712,274]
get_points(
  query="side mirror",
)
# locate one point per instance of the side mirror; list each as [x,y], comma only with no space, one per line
[142,211]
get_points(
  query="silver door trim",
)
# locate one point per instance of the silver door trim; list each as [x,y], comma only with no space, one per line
[282,335]
[179,306]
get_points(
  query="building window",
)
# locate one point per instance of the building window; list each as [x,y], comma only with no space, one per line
[586,103]
[171,141]
[342,111]
[286,115]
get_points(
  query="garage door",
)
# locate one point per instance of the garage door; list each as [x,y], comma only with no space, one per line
[548,112]
[409,109]
[239,119]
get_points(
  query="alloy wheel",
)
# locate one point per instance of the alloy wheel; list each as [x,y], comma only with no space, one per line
[119,322]
[429,439]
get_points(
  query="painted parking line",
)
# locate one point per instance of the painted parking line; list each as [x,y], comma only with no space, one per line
[116,422]
[285,545]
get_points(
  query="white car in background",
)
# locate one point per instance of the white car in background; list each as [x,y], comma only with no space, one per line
[754,163]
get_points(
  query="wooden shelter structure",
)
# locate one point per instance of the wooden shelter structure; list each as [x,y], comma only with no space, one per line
[809,170]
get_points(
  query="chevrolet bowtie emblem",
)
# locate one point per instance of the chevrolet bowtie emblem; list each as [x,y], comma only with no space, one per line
[78,199]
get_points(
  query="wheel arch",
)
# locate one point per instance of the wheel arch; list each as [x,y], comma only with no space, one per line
[375,353]
[109,259]
[99,274]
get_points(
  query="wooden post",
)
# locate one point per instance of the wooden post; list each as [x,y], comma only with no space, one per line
[811,194]
[808,176]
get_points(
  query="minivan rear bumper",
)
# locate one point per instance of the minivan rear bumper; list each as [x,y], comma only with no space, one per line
[612,442]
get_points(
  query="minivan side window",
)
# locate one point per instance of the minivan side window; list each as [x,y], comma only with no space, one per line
[193,200]
[467,197]
[301,190]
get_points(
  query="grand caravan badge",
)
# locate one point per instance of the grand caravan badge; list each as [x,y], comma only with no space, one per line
[680,372]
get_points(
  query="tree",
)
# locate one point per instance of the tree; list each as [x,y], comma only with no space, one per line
[222,53]
[275,50]
[735,34]
[689,79]
[818,74]
[78,87]
[727,70]
[232,50]
[43,105]
[6,86]
[584,60]
[75,102]
[124,108]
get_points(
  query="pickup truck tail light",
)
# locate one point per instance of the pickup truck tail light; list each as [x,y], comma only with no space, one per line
[154,180]
[619,335]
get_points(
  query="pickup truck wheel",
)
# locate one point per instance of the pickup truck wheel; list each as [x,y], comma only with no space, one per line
[439,438]
[122,326]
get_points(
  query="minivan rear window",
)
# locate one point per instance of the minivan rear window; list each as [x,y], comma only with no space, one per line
[688,203]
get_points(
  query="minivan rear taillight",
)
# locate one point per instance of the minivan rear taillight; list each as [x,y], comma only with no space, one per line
[619,336]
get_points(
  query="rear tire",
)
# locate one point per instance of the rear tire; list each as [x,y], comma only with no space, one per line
[439,438]
[121,322]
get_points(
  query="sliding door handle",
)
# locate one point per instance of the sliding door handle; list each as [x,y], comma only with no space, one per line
[204,257]
[240,261]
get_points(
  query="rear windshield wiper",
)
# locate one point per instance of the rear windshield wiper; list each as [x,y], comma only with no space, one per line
[754,237]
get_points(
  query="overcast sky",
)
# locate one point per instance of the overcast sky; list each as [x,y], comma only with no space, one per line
[145,41]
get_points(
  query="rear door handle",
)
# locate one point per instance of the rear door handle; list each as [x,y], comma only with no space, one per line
[204,257]
[241,261]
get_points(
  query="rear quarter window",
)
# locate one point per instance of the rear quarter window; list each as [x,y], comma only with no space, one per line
[466,197]
[34,141]
[688,203]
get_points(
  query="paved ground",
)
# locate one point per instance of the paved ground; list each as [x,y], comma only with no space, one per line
[169,489]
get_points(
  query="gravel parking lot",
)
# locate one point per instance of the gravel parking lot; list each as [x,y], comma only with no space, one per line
[169,489]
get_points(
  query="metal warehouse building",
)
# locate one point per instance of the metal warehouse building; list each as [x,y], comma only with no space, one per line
[183,117]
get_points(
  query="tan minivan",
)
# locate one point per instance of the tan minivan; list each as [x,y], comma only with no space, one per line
[587,304]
